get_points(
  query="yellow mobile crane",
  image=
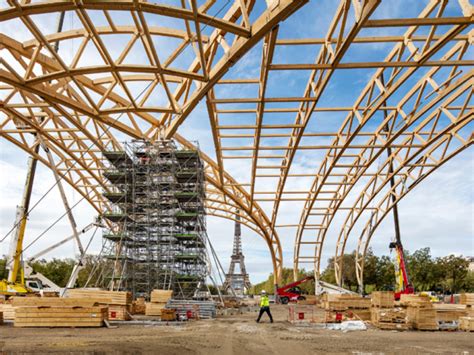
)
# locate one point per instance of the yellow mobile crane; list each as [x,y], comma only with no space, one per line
[13,286]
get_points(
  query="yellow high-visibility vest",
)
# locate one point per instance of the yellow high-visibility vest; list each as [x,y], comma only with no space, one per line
[264,302]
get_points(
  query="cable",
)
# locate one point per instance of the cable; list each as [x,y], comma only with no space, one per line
[86,151]
[71,167]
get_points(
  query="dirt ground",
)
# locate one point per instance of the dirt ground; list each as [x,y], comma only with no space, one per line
[229,335]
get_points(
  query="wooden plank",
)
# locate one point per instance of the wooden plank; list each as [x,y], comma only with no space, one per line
[52,302]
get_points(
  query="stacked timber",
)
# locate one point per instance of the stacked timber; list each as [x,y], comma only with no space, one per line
[168,315]
[309,300]
[446,312]
[466,324]
[415,300]
[8,311]
[118,302]
[422,318]
[382,299]
[138,306]
[158,300]
[345,302]
[467,299]
[389,318]
[346,307]
[58,312]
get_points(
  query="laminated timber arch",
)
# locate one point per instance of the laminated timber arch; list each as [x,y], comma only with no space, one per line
[79,174]
[407,111]
[227,42]
[427,164]
[69,90]
[439,137]
[75,105]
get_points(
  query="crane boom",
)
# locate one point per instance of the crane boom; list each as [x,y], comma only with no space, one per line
[17,240]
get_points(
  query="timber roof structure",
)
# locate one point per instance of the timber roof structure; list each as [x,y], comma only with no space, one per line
[271,90]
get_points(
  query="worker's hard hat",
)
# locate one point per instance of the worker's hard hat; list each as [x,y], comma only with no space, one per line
[264,292]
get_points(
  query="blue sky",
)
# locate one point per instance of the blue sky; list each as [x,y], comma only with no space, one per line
[438,213]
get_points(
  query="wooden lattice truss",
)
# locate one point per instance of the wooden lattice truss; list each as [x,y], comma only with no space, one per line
[114,74]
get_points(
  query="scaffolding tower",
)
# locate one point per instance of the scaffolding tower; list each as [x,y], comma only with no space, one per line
[158,239]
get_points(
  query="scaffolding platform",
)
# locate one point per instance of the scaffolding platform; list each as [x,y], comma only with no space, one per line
[158,236]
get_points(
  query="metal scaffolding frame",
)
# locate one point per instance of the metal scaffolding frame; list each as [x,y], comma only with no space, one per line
[159,221]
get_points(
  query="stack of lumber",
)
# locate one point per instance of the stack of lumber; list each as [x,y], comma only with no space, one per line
[422,317]
[168,315]
[345,302]
[415,301]
[466,323]
[58,312]
[389,318]
[8,311]
[467,299]
[160,296]
[446,312]
[158,300]
[123,298]
[310,300]
[118,302]
[304,314]
[382,299]
[138,306]
[50,294]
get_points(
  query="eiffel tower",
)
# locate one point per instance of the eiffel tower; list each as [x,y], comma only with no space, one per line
[239,282]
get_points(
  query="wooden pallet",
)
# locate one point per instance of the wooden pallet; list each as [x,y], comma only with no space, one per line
[422,318]
[449,312]
[388,315]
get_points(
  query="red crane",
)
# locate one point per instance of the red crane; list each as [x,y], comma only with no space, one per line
[291,292]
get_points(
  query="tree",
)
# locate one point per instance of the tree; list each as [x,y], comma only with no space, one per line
[456,270]
[57,270]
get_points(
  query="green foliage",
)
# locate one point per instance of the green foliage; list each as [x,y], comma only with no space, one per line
[57,270]
[3,268]
[447,274]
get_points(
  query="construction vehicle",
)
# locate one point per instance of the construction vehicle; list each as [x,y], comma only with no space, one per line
[402,284]
[292,291]
[21,277]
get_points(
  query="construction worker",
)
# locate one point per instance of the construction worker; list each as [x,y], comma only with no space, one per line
[264,306]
